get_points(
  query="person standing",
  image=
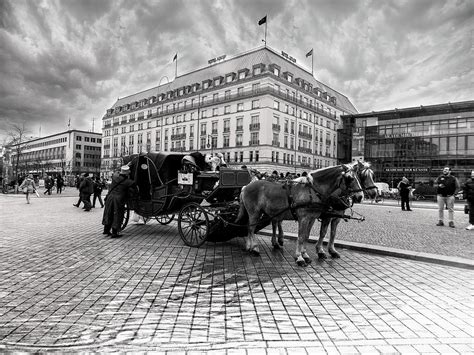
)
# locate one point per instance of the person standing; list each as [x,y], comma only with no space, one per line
[120,190]
[468,194]
[404,187]
[98,187]
[86,189]
[447,187]
[59,184]
[28,186]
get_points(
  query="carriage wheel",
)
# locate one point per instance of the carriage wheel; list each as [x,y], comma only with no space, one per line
[165,218]
[126,216]
[193,225]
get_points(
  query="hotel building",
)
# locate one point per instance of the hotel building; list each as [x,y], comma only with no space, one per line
[415,142]
[258,108]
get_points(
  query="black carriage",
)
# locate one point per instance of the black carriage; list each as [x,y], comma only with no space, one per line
[206,202]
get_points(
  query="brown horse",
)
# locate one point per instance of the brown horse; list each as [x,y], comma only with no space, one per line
[366,177]
[321,191]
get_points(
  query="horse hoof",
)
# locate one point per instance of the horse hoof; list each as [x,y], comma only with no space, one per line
[280,242]
[254,253]
[322,256]
[301,263]
[276,246]
[335,255]
[307,261]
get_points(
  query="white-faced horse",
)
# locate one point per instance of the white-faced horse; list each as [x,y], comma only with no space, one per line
[321,191]
[366,177]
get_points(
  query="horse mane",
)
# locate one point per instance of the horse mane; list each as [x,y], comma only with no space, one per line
[329,173]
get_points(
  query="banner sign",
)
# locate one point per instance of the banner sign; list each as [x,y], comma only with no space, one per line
[407,170]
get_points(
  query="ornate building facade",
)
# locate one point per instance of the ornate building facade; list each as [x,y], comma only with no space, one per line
[257,108]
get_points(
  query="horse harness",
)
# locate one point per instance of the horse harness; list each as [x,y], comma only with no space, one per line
[332,202]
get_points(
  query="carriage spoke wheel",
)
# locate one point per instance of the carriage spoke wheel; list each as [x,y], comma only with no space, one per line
[165,218]
[126,216]
[193,225]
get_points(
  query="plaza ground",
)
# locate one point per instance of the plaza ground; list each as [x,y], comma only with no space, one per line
[66,287]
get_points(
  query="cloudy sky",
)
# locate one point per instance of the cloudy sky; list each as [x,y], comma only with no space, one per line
[72,59]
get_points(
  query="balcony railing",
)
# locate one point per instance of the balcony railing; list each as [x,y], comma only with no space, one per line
[276,127]
[254,126]
[178,136]
[275,143]
[252,143]
[304,150]
[305,135]
[239,128]
[226,129]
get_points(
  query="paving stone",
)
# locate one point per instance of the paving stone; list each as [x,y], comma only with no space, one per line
[64,286]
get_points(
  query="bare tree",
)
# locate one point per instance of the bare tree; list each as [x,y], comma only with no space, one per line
[17,135]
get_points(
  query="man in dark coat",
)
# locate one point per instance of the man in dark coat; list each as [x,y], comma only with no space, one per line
[448,186]
[86,189]
[404,188]
[468,194]
[121,189]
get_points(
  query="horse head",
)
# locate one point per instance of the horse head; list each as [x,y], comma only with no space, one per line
[366,177]
[351,184]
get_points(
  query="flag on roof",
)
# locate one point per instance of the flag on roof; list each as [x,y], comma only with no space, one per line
[309,53]
[262,20]
[175,57]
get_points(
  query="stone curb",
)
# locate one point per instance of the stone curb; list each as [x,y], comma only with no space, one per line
[398,253]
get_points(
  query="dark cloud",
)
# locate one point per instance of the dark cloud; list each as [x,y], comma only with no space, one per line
[74,58]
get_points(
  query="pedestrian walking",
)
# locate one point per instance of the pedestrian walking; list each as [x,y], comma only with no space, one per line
[28,187]
[86,189]
[77,183]
[468,194]
[404,187]
[447,187]
[99,186]
[48,184]
[121,189]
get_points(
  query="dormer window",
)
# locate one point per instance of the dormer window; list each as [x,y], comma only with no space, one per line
[218,81]
[276,71]
[181,92]
[243,73]
[288,76]
[257,71]
[229,78]
[206,84]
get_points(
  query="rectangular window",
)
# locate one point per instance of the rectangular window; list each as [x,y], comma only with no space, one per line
[240,106]
[255,104]
[227,109]
[276,105]
[227,95]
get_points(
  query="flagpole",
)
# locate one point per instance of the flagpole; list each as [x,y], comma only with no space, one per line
[312,65]
[266,21]
[176,70]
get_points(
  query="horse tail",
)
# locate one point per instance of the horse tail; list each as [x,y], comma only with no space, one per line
[243,215]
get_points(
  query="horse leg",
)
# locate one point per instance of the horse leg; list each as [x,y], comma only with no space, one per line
[251,242]
[274,227]
[331,249]
[281,236]
[322,233]
[304,228]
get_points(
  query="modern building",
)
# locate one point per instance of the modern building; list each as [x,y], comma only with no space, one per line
[67,153]
[415,142]
[258,108]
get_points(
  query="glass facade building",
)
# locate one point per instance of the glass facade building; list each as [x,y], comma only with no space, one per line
[413,142]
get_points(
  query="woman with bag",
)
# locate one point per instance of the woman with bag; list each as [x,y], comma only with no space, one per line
[28,186]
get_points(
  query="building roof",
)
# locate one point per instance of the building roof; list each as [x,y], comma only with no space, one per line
[247,60]
[450,107]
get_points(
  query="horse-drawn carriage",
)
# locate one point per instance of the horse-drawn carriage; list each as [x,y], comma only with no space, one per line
[205,202]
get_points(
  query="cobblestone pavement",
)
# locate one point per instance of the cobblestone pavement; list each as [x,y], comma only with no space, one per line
[66,287]
[387,225]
